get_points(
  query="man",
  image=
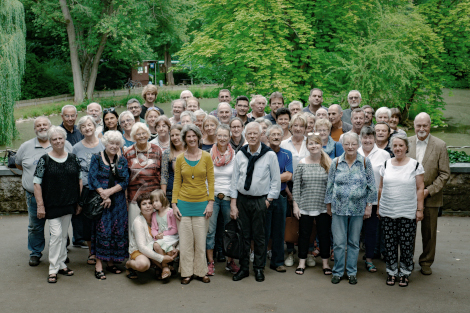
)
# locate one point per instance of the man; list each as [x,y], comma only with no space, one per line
[224,113]
[94,110]
[431,152]
[185,95]
[258,103]
[276,101]
[322,113]
[224,96]
[369,112]
[256,182]
[338,127]
[177,107]
[276,215]
[133,106]
[315,101]
[149,93]
[192,104]
[242,106]
[295,107]
[26,160]
[358,118]
[69,116]
[354,100]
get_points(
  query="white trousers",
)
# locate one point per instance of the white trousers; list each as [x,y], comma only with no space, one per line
[58,228]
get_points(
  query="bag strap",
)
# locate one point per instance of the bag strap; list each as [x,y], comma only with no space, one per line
[417,164]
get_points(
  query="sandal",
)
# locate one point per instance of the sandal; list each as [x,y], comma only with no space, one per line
[91,260]
[204,279]
[390,280]
[403,281]
[327,271]
[52,278]
[100,275]
[131,273]
[370,267]
[66,271]
[186,280]
[299,270]
[166,272]
[113,269]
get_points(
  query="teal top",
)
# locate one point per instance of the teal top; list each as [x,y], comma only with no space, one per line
[192,208]
[191,163]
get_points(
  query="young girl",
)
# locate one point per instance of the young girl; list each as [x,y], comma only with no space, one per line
[163,229]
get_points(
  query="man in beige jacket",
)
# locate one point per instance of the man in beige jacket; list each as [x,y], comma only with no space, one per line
[431,152]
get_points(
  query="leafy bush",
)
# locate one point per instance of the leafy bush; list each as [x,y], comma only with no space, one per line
[458,156]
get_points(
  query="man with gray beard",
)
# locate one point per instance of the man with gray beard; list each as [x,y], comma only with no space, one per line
[94,110]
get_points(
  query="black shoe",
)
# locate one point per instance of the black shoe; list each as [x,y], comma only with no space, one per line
[220,256]
[80,244]
[67,260]
[240,275]
[34,261]
[259,275]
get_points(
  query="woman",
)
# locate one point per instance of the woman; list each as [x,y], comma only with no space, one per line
[110,121]
[200,116]
[283,117]
[332,148]
[209,127]
[57,186]
[311,177]
[401,205]
[237,141]
[84,150]
[187,117]
[265,124]
[151,121]
[383,114]
[144,160]
[127,120]
[395,119]
[193,202]
[223,156]
[377,157]
[382,130]
[109,176]
[169,160]
[163,131]
[350,193]
[311,119]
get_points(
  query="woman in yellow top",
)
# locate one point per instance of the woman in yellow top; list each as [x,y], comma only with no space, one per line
[192,204]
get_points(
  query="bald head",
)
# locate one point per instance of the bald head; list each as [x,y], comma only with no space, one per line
[321,114]
[422,124]
[334,114]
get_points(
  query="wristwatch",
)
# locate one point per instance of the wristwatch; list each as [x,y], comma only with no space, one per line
[369,204]
[270,201]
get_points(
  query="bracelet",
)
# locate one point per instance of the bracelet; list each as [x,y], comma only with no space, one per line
[420,210]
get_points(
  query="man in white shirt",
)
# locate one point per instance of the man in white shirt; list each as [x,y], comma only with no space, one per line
[94,110]
[258,103]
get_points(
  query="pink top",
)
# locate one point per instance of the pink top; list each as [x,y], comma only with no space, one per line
[171,221]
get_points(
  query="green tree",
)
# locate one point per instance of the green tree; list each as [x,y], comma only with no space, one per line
[12,63]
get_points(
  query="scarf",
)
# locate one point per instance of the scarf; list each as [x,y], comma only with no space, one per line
[220,159]
[330,146]
[240,144]
[251,162]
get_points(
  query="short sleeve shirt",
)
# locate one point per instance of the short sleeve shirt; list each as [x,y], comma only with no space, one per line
[285,163]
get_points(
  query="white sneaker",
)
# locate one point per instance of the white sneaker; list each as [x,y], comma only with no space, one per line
[252,256]
[289,261]
[311,260]
[270,254]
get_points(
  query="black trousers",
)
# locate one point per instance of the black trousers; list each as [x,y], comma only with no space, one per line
[252,215]
[323,232]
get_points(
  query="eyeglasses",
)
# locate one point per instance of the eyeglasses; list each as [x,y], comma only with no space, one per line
[311,134]
[153,108]
[110,110]
[133,108]
[126,121]
[354,98]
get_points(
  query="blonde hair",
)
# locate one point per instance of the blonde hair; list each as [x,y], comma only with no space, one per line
[151,109]
[210,118]
[159,195]
[298,116]
[325,160]
[323,122]
[149,88]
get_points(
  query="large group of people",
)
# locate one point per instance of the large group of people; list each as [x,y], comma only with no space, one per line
[168,185]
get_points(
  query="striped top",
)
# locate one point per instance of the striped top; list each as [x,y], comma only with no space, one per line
[309,188]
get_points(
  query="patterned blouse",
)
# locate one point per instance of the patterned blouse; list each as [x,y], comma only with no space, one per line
[350,189]
[310,188]
[168,174]
[144,170]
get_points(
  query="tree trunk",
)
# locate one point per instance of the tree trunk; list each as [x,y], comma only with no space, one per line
[94,68]
[76,71]
[170,80]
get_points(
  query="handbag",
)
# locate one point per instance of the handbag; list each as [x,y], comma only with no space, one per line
[291,233]
[90,201]
[233,239]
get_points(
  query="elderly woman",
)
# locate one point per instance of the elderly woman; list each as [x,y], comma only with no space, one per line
[383,114]
[109,176]
[84,150]
[223,156]
[57,186]
[144,160]
[350,193]
[311,177]
[169,160]
[265,124]
[395,119]
[110,121]
[151,121]
[383,131]
[401,205]
[237,140]
[283,117]
[126,120]
[332,148]
[187,117]
[163,131]
[200,116]
[209,127]
[311,119]
[377,157]
[192,203]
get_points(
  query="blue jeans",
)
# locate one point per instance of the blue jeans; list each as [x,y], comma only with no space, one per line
[220,206]
[36,241]
[346,232]
[276,221]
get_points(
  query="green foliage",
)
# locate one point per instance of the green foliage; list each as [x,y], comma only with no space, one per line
[12,64]
[458,156]
[112,74]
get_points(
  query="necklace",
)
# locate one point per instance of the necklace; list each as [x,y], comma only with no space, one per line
[192,167]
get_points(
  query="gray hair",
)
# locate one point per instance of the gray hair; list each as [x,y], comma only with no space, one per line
[402,137]
[258,96]
[236,118]
[179,100]
[355,91]
[383,110]
[124,113]
[133,100]
[271,128]
[255,124]
[260,120]
[185,91]
[43,117]
[112,136]
[224,127]
[223,103]
[311,115]
[367,131]
[190,114]
[295,102]
[190,127]
[358,110]
[351,135]
[199,112]
[56,130]
[340,109]
[83,120]
[136,127]
[101,109]
[66,107]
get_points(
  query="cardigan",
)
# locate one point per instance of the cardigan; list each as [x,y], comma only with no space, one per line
[171,221]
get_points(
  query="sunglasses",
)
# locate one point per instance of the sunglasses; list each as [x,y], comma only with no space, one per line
[110,110]
[311,134]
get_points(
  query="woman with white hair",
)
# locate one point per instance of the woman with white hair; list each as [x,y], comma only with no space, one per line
[187,117]
[126,120]
[57,186]
[200,116]
[383,114]
[109,176]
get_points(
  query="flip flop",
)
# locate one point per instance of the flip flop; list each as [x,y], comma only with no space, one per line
[327,271]
[113,269]
[299,271]
[66,271]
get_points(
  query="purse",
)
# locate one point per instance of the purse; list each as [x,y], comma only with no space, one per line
[233,239]
[291,233]
[90,201]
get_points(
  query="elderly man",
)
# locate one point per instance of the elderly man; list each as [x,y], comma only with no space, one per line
[276,101]
[69,116]
[242,105]
[295,107]
[256,182]
[224,96]
[185,95]
[134,106]
[26,160]
[224,113]
[338,127]
[276,215]
[177,107]
[354,100]
[94,110]
[192,104]
[431,152]
[315,101]
[258,103]
[357,119]
[322,113]
[369,112]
